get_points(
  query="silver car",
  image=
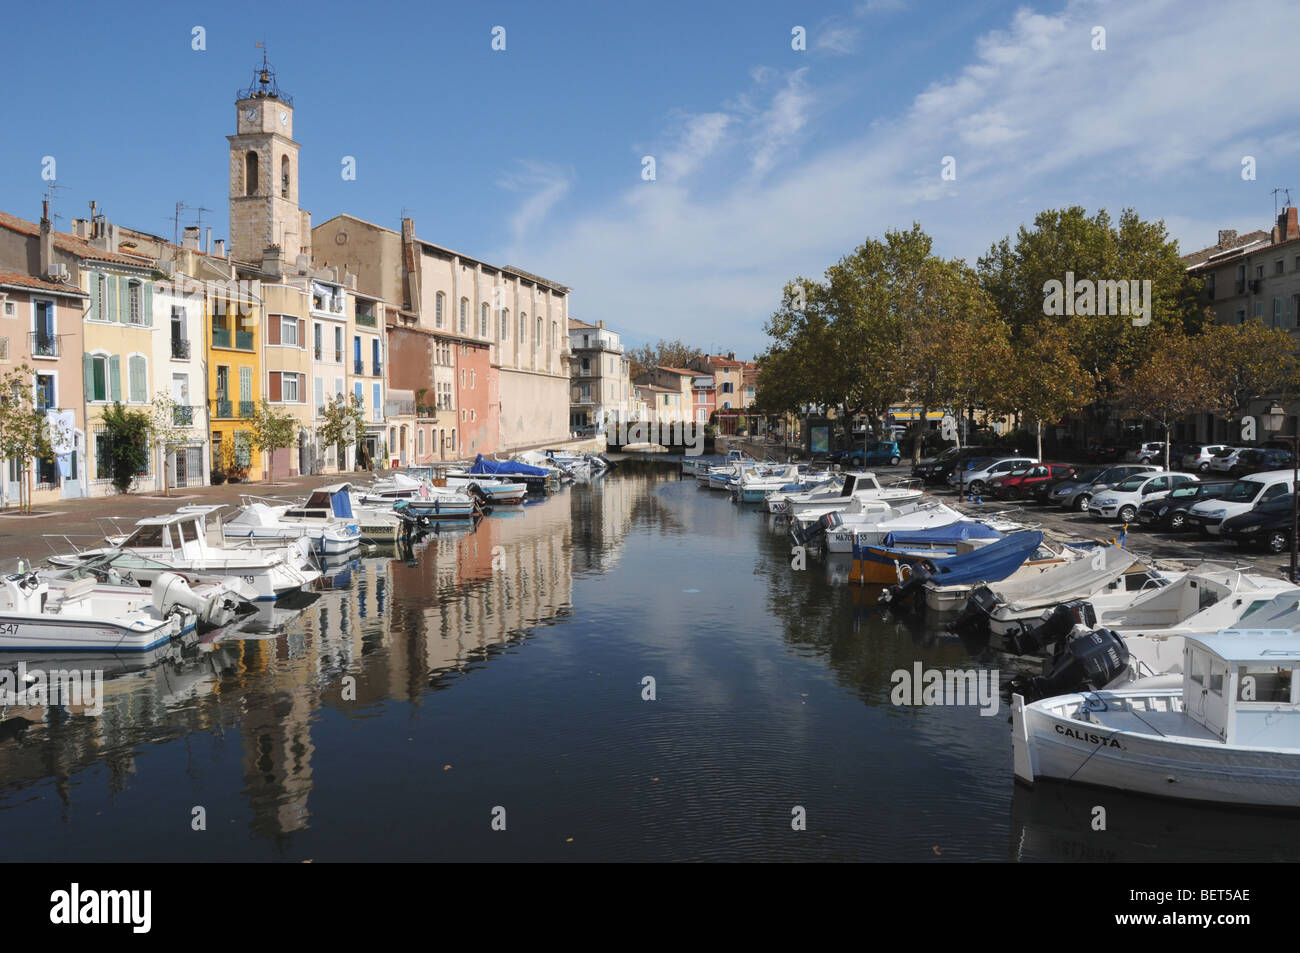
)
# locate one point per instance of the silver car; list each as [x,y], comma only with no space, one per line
[1200,460]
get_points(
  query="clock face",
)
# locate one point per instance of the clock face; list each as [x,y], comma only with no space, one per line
[284,119]
[251,115]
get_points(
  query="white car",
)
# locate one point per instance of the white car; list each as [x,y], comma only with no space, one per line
[1242,496]
[1200,460]
[1225,459]
[977,480]
[1121,502]
[1150,452]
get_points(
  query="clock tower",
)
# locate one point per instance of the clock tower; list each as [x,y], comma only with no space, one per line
[264,175]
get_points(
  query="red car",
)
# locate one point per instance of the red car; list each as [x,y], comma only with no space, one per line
[1018,485]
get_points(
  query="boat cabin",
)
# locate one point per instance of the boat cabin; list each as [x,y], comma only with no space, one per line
[1243,686]
[325,502]
[184,532]
[859,481]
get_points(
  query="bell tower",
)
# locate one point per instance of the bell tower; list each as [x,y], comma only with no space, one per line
[264,208]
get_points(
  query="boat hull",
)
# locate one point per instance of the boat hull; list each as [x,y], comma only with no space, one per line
[56,633]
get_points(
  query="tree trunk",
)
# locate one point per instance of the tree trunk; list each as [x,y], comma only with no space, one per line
[1039,428]
[166,485]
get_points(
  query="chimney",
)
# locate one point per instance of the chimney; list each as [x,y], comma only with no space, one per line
[1288,228]
[271,260]
[1227,237]
[219,248]
[600,324]
[209,241]
[190,237]
[47,238]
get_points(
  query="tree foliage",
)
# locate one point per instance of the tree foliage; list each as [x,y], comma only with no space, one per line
[128,434]
[23,435]
[273,430]
[344,422]
[674,353]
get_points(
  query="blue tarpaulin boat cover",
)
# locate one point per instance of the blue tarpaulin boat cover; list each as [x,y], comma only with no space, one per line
[342,501]
[505,468]
[950,533]
[991,563]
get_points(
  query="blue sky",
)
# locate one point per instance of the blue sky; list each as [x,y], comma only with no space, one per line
[770,162]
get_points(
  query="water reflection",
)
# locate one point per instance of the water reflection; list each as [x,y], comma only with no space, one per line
[501,663]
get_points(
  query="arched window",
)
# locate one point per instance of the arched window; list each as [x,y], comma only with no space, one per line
[437,310]
[464,315]
[537,340]
[505,324]
[483,320]
[523,326]
[250,174]
[284,177]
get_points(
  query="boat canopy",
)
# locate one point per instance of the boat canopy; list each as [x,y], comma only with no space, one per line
[1070,580]
[948,533]
[989,563]
[505,467]
[254,514]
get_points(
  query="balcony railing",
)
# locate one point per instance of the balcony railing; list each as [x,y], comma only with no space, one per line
[246,410]
[358,366]
[222,409]
[426,411]
[243,340]
[182,416]
[366,320]
[43,344]
[220,336]
[377,369]
[180,349]
[316,353]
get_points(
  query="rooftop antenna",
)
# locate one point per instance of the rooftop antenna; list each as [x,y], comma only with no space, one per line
[50,196]
[1286,192]
[176,219]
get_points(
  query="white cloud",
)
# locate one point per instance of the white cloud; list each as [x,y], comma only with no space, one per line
[544,184]
[836,39]
[1035,118]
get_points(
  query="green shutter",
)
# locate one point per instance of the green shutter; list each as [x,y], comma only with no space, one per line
[95,303]
[114,378]
[88,376]
[136,369]
[124,300]
[148,304]
[108,307]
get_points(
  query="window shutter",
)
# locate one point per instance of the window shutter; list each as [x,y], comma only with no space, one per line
[114,378]
[147,304]
[95,303]
[137,383]
[108,307]
[273,330]
[246,384]
[275,387]
[124,301]
[88,375]
[302,333]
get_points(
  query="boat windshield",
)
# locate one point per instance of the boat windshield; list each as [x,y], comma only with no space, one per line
[1243,491]
[146,536]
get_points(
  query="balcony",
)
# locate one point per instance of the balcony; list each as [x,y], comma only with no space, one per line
[358,367]
[182,416]
[316,353]
[220,336]
[180,349]
[426,412]
[366,320]
[247,410]
[377,369]
[243,340]
[44,344]
[222,409]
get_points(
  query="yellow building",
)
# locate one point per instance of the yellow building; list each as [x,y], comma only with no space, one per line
[232,315]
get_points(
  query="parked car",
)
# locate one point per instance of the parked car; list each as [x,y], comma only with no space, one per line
[983,471]
[1121,501]
[1150,452]
[1075,494]
[1197,456]
[842,455]
[937,469]
[1171,511]
[1243,495]
[1267,526]
[1020,483]
[1042,491]
[878,452]
[1259,461]
[1102,451]
[1225,460]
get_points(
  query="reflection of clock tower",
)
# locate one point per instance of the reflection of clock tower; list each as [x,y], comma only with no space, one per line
[264,174]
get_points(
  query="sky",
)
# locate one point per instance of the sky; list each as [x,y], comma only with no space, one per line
[770,162]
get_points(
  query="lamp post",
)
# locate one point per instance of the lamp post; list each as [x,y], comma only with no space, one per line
[1276,418]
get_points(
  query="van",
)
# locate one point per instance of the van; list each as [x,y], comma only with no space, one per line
[1242,496]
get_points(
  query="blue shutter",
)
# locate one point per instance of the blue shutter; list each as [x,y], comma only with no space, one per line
[114,378]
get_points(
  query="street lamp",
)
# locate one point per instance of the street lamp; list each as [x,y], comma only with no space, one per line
[1276,418]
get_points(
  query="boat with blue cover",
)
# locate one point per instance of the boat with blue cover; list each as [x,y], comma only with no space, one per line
[964,552]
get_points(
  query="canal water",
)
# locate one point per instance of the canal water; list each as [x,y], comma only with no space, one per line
[500,678]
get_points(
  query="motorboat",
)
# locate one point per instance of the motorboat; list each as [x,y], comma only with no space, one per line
[863,485]
[1230,733]
[325,519]
[868,521]
[754,483]
[536,477]
[418,499]
[85,617]
[775,501]
[178,543]
[492,491]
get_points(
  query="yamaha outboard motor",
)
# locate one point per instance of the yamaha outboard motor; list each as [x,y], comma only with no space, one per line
[1055,626]
[900,594]
[1091,660]
[973,618]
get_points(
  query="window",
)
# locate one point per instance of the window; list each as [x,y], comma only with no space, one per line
[1259,309]
[483,320]
[46,396]
[12,312]
[437,310]
[317,345]
[137,379]
[1264,683]
[523,327]
[1277,267]
[338,345]
[464,314]
[1277,312]
[284,177]
[505,324]
[537,338]
[243,448]
[250,173]
[289,331]
[246,386]
[291,382]
[133,299]
[1241,278]
[97,378]
[419,440]
[376,402]
[46,339]
[1259,271]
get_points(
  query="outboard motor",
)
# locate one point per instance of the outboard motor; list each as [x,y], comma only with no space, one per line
[1090,660]
[973,617]
[1056,625]
[902,593]
[171,594]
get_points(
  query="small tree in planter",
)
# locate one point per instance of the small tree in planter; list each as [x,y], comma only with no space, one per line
[273,430]
[128,444]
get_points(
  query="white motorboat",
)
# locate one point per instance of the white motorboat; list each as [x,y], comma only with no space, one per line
[497,491]
[863,485]
[178,542]
[1229,734]
[422,500]
[325,519]
[775,501]
[754,483]
[869,521]
[1048,556]
[84,617]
